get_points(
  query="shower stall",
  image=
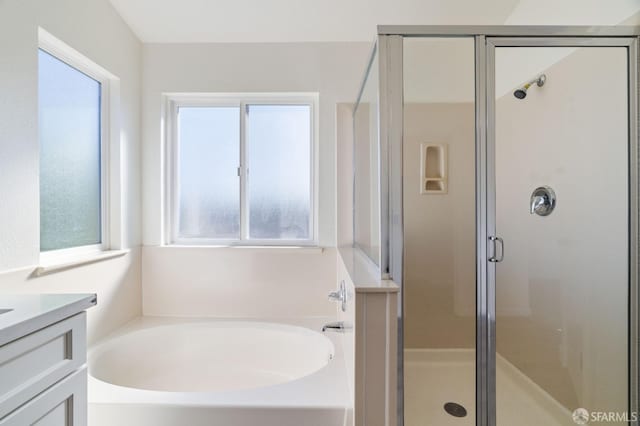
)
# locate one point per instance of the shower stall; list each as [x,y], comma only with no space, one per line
[496,181]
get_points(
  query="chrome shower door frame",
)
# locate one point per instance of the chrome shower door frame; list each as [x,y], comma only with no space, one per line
[487,38]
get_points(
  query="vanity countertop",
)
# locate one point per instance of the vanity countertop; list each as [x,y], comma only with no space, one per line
[22,314]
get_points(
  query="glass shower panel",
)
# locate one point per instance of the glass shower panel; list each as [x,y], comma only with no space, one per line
[561,163]
[439,280]
[367,166]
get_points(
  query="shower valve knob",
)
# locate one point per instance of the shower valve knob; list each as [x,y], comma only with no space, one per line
[543,201]
[336,296]
[340,296]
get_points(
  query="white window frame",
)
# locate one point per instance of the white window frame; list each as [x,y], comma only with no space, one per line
[173,102]
[76,60]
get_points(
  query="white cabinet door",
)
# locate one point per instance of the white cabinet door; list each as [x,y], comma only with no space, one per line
[63,404]
[37,361]
[59,416]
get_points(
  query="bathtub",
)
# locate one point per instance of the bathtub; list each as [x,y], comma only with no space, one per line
[194,372]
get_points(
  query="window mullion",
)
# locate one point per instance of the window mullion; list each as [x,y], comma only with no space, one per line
[175,171]
[105,205]
[244,218]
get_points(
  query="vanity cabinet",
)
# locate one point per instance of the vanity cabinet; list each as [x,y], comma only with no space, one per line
[43,374]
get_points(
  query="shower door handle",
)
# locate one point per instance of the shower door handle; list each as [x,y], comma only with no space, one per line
[497,241]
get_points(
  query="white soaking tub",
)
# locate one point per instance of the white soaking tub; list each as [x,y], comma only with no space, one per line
[176,372]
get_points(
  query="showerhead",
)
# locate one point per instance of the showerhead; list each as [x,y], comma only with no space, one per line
[522,92]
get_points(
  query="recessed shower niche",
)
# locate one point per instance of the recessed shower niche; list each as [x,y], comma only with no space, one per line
[433,169]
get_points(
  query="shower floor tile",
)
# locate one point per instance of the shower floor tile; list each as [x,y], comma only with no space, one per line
[434,377]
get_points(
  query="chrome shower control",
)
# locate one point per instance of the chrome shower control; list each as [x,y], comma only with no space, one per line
[543,201]
[340,295]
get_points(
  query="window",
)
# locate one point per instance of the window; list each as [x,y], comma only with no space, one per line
[72,160]
[242,170]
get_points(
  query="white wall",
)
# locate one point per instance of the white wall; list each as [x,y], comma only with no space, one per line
[175,279]
[94,29]
[445,80]
[116,282]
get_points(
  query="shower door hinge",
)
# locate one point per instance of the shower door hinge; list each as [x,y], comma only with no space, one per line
[497,241]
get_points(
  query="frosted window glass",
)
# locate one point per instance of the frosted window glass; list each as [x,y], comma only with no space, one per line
[279,161]
[209,155]
[69,133]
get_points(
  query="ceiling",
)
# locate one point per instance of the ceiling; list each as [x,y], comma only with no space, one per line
[208,21]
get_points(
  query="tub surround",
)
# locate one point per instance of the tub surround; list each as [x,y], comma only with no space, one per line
[228,282]
[32,312]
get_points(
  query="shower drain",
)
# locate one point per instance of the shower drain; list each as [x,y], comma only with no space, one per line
[456,410]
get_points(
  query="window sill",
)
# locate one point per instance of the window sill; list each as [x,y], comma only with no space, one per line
[64,263]
[274,249]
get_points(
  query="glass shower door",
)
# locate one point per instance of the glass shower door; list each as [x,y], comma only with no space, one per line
[559,253]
